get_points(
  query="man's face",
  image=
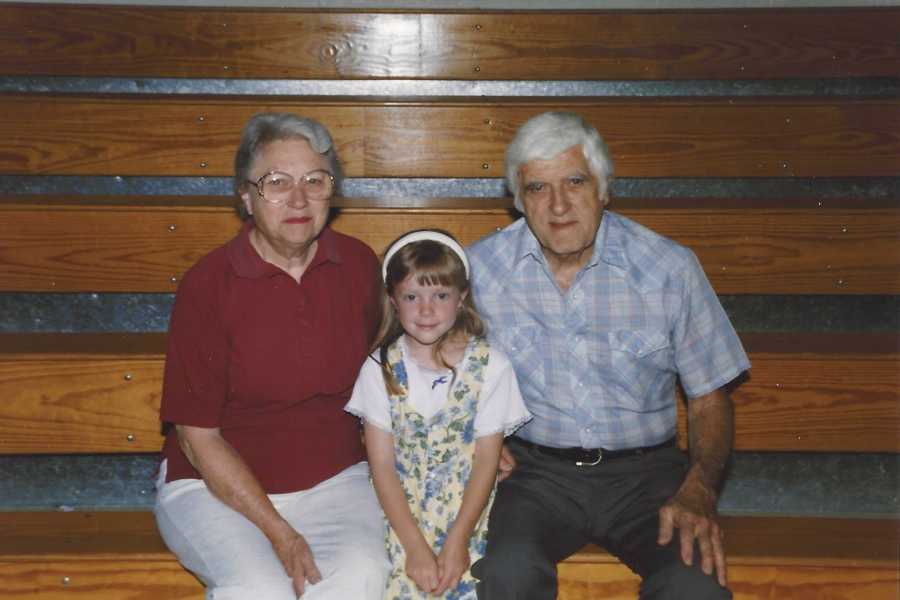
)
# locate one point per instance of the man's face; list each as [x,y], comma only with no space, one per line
[563,204]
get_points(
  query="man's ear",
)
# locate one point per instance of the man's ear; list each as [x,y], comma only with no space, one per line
[603,191]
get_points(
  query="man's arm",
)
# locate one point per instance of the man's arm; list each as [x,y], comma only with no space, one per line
[693,508]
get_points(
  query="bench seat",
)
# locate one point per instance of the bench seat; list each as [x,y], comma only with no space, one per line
[119,555]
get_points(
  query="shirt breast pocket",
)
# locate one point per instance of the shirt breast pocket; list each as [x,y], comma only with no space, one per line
[640,359]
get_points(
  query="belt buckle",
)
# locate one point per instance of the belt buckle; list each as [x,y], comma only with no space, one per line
[587,463]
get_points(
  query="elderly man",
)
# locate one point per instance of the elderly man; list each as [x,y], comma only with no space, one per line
[600,316]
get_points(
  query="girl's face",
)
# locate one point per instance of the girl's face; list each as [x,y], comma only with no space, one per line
[426,312]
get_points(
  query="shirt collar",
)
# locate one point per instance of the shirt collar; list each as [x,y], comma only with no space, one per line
[247,262]
[608,246]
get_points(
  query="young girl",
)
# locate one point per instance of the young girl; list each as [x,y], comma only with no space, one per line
[436,401]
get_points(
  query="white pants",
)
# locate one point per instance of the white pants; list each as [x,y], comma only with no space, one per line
[340,519]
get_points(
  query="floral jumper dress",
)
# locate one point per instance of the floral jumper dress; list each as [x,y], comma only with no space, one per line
[434,459]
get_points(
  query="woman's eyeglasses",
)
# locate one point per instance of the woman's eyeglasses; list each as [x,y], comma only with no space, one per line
[276,187]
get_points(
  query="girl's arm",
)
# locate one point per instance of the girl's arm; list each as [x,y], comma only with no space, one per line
[453,559]
[421,565]
[230,480]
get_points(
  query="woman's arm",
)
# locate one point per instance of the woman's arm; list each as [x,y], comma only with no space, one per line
[421,565]
[230,480]
[453,559]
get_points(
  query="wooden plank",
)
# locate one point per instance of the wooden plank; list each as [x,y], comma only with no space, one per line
[118,578]
[80,393]
[792,247]
[617,582]
[105,577]
[123,41]
[648,137]
[120,555]
[818,392]
[94,393]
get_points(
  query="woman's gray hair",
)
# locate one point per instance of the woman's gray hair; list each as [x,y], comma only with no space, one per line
[547,136]
[263,128]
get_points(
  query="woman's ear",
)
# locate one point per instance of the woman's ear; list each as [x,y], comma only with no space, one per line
[246,198]
[248,202]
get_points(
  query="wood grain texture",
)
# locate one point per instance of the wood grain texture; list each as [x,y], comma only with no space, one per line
[234,43]
[616,582]
[648,137]
[820,392]
[71,244]
[95,393]
[102,577]
[120,555]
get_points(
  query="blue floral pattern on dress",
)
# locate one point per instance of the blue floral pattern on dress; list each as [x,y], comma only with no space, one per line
[434,460]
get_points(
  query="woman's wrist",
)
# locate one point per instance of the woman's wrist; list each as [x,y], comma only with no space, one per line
[279,531]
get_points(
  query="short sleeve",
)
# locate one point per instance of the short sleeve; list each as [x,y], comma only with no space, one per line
[708,352]
[500,407]
[369,400]
[195,382]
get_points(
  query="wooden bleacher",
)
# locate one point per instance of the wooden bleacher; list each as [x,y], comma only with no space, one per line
[98,393]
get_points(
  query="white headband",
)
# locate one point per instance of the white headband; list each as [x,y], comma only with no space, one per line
[420,236]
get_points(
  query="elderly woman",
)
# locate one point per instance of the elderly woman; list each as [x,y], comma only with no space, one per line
[263,491]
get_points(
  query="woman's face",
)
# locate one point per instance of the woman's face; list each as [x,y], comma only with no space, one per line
[296,223]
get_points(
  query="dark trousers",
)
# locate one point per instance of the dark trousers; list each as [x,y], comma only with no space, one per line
[549,509]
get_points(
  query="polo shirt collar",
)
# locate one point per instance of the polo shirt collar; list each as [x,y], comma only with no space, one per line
[247,262]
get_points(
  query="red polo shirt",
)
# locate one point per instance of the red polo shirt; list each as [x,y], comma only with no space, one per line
[272,362]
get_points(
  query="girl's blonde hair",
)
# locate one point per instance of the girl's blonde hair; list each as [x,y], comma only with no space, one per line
[433,263]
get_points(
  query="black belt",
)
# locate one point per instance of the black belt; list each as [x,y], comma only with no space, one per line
[588,457]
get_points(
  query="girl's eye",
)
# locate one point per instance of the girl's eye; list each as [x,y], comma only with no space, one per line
[443,295]
[409,297]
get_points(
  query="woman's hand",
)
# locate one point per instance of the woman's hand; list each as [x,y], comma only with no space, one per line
[230,480]
[453,561]
[421,566]
[297,558]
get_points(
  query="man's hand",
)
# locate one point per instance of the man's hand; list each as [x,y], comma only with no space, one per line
[507,463]
[297,558]
[693,512]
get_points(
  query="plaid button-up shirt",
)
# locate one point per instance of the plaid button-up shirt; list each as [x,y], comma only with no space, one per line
[597,365]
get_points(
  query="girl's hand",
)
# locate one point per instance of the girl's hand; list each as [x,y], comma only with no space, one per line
[452,562]
[421,567]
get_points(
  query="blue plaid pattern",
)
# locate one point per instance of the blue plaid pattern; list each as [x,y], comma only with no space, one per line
[597,366]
